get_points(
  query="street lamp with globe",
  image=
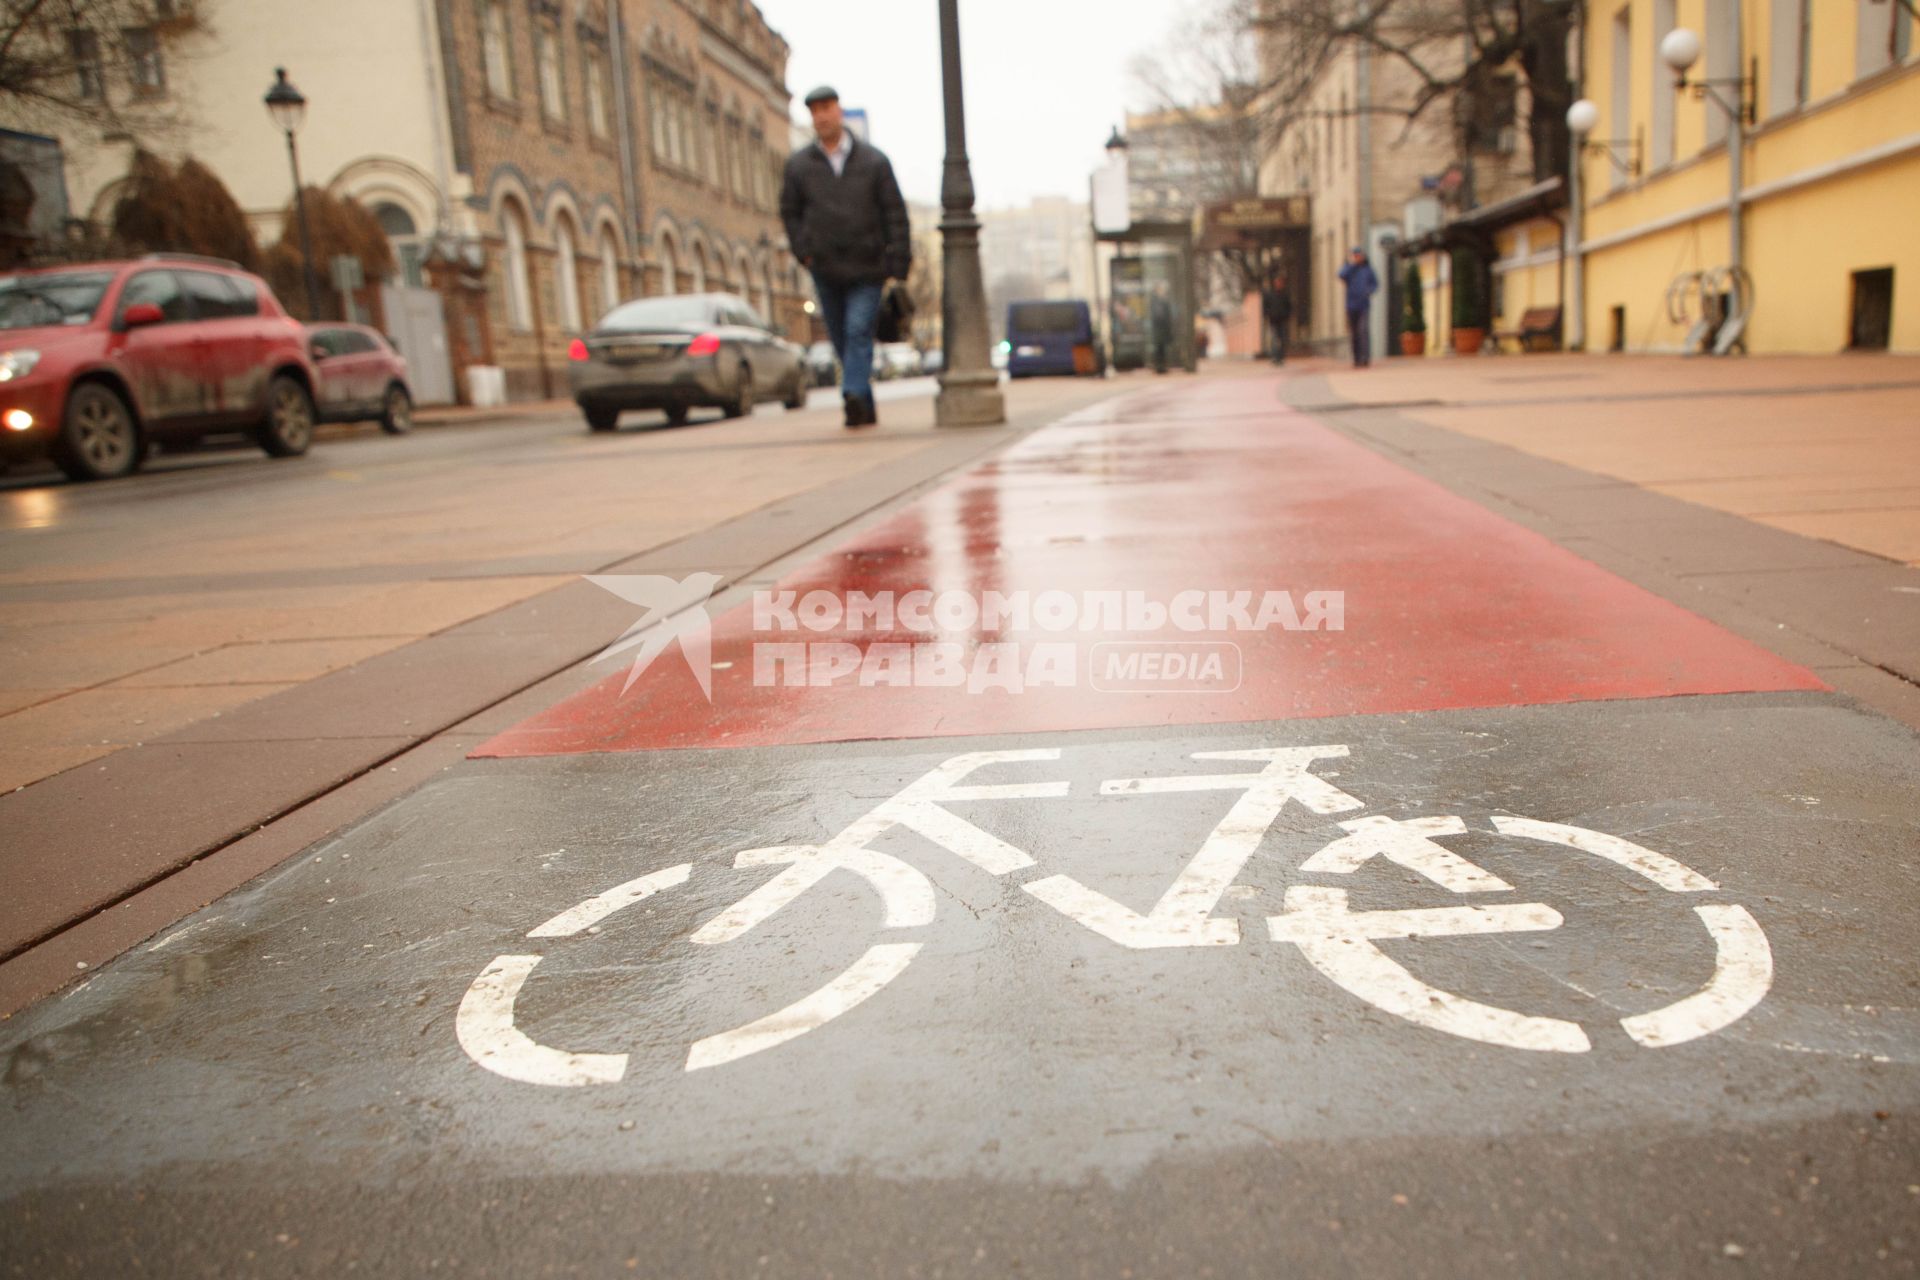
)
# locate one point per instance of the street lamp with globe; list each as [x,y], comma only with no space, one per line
[287,106]
[1680,50]
[1583,117]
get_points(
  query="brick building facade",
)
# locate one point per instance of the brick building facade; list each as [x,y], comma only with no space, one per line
[614,149]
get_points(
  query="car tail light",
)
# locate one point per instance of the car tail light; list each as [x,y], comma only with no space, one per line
[704,345]
[576,350]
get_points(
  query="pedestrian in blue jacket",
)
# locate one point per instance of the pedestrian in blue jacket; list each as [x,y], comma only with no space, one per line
[1361,284]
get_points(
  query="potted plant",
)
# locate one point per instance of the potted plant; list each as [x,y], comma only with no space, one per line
[1413,320]
[1469,302]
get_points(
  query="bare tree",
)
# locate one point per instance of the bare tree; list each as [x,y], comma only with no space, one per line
[1457,52]
[99,63]
[1205,124]
[1205,84]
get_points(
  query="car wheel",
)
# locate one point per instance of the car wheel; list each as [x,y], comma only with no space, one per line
[677,415]
[98,438]
[396,416]
[797,398]
[288,430]
[743,399]
[600,418]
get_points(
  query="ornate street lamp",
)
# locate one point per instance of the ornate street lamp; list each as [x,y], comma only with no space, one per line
[969,384]
[1680,49]
[1582,116]
[288,108]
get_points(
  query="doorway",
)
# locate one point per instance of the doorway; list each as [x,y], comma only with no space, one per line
[1872,327]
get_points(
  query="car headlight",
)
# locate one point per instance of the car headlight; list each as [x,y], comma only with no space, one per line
[17,364]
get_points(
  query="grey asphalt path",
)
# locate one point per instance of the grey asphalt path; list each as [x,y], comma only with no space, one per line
[285,1083]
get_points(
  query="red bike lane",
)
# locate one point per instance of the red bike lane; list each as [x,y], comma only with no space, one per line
[1210,488]
[1527,888]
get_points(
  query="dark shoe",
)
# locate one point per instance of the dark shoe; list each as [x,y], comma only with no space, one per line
[860,411]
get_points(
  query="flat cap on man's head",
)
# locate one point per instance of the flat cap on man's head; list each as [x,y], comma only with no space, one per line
[825,93]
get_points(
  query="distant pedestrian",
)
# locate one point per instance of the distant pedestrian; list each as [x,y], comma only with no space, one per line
[1160,327]
[847,224]
[1276,302]
[1361,284]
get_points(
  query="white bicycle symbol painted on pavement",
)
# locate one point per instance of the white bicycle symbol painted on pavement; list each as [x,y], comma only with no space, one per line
[1338,941]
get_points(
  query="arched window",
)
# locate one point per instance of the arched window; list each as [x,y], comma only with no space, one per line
[519,290]
[404,235]
[669,268]
[566,268]
[553,88]
[609,273]
[697,268]
[496,44]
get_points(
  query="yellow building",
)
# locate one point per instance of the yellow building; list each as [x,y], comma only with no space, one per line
[1519,242]
[1829,184]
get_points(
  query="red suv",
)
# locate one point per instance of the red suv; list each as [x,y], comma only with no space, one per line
[99,360]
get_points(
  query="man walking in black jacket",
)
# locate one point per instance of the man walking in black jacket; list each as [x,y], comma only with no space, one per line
[847,225]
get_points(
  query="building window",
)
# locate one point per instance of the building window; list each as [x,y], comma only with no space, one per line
[1492,113]
[496,48]
[656,123]
[710,143]
[609,273]
[566,266]
[1620,90]
[519,288]
[144,64]
[669,268]
[90,81]
[1722,59]
[595,74]
[1790,29]
[553,89]
[1884,33]
[1663,91]
[408,248]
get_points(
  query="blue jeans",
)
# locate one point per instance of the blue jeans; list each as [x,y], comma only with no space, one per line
[1358,324]
[851,311]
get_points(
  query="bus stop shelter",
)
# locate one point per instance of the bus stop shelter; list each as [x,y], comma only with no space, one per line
[1148,255]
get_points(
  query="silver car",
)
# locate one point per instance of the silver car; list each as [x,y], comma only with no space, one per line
[674,353]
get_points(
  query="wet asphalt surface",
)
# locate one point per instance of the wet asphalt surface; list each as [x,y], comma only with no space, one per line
[279,1086]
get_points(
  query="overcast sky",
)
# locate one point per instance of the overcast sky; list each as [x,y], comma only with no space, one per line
[1045,80]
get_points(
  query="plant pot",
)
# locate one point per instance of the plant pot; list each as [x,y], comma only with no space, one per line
[1413,344]
[1467,341]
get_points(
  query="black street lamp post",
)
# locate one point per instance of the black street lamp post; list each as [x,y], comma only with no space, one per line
[969,385]
[288,108]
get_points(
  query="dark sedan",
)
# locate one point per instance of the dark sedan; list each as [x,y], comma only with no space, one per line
[681,352]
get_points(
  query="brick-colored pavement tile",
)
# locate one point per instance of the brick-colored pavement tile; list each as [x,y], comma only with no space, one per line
[264,662]
[119,715]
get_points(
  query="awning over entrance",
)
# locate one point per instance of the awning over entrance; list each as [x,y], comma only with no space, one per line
[1477,226]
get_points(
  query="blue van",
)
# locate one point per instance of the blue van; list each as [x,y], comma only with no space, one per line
[1052,339]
